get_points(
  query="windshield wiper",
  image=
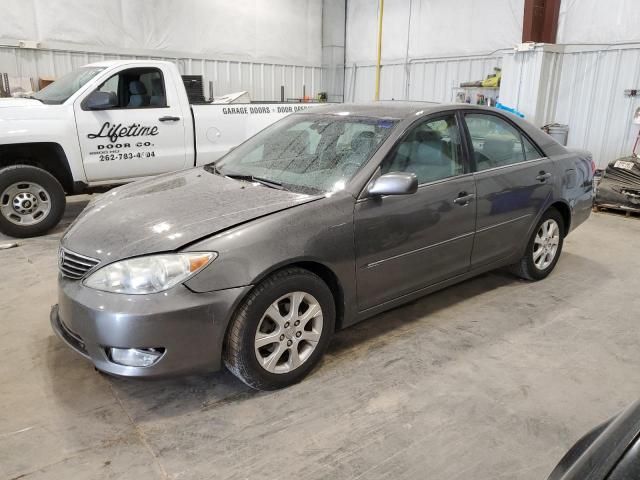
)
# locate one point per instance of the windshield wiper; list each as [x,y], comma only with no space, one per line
[252,178]
[211,167]
[31,97]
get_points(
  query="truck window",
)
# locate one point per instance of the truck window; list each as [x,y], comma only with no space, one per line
[110,85]
[137,88]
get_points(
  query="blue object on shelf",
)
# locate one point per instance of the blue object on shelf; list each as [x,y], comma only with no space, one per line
[509,109]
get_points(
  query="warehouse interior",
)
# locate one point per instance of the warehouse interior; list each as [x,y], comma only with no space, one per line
[494,377]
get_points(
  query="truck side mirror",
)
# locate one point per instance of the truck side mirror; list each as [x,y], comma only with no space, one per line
[100,101]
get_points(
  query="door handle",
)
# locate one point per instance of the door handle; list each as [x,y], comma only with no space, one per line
[543,176]
[463,199]
[169,118]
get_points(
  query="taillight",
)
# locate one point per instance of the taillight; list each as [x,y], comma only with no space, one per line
[593,166]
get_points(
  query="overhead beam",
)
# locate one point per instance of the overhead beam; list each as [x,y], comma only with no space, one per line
[540,21]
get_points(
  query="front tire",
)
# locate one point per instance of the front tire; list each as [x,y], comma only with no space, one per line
[32,201]
[544,247]
[281,330]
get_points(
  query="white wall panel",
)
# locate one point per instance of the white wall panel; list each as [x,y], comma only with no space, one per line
[261,80]
[274,31]
[430,80]
[428,47]
[591,100]
[434,80]
[333,49]
[359,84]
[597,21]
[431,28]
[530,82]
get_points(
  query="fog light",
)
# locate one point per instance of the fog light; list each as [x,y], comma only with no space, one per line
[135,357]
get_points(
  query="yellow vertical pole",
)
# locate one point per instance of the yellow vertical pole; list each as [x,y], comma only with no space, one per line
[380,12]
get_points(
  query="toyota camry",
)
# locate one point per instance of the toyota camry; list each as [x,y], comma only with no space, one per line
[321,220]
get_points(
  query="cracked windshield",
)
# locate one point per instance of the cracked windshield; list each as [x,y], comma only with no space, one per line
[307,153]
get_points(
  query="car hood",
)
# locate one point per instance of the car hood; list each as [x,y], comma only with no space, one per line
[14,109]
[167,212]
[18,102]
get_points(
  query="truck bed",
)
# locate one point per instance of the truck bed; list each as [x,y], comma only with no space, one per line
[220,127]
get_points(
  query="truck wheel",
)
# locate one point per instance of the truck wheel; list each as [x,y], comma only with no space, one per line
[32,201]
[544,247]
[280,330]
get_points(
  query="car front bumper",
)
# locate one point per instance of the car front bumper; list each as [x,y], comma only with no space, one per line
[189,326]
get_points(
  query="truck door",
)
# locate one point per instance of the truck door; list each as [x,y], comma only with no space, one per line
[131,125]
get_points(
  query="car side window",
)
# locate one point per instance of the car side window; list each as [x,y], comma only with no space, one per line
[137,88]
[432,151]
[497,143]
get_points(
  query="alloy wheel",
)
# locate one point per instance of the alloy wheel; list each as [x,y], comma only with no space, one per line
[545,244]
[288,332]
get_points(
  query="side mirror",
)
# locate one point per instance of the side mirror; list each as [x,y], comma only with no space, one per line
[394,183]
[100,101]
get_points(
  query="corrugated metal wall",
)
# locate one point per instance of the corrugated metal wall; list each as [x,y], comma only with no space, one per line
[261,80]
[581,86]
[530,83]
[429,79]
[591,99]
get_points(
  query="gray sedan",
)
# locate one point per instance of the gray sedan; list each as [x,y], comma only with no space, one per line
[323,219]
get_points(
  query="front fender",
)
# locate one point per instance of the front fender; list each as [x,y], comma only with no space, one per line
[320,232]
[43,124]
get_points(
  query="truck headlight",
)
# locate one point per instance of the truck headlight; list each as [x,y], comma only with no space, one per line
[150,274]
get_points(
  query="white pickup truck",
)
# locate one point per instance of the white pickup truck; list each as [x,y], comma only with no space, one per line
[109,123]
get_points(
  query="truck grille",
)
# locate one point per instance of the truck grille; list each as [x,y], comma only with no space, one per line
[73,265]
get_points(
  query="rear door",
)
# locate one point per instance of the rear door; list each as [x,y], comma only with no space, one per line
[513,184]
[143,135]
[405,243]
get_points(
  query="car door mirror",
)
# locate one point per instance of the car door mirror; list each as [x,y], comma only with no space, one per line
[394,183]
[100,101]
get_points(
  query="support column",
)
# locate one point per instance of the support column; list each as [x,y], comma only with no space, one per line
[530,82]
[540,22]
[334,17]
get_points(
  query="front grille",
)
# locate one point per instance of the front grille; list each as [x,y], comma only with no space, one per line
[73,265]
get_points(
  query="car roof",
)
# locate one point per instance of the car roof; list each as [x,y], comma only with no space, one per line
[388,109]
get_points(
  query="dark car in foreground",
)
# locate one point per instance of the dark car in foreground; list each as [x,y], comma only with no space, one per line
[611,451]
[319,221]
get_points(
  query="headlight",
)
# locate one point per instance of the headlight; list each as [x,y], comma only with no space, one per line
[150,274]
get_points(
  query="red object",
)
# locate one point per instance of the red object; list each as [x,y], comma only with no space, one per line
[540,21]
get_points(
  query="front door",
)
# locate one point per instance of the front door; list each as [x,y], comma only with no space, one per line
[405,243]
[143,135]
[513,184]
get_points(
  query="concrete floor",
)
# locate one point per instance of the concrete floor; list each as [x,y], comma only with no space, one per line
[494,378]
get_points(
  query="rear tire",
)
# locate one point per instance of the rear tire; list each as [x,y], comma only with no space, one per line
[281,330]
[543,249]
[32,201]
